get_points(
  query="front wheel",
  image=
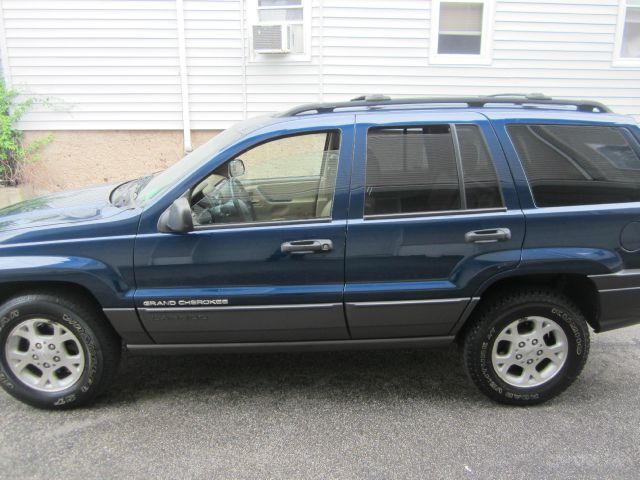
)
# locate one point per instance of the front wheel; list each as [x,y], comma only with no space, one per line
[55,352]
[526,346]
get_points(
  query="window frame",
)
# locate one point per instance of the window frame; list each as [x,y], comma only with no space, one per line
[486,38]
[618,59]
[272,223]
[526,174]
[459,168]
[253,18]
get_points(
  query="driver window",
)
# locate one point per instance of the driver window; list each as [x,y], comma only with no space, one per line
[290,178]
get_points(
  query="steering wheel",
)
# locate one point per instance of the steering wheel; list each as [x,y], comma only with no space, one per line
[241,200]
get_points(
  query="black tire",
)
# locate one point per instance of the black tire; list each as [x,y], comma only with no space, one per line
[496,316]
[100,345]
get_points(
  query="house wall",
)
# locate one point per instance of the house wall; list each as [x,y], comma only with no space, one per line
[115,65]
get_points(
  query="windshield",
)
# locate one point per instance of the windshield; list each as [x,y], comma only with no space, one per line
[195,159]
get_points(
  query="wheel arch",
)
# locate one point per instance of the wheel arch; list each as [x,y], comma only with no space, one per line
[579,288]
[62,288]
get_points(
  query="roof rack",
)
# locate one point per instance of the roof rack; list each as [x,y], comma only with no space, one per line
[531,99]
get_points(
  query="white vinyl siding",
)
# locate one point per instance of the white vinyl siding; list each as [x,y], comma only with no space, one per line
[214,62]
[563,48]
[114,64]
[100,64]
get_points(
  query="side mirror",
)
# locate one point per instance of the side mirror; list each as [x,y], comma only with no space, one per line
[236,168]
[177,218]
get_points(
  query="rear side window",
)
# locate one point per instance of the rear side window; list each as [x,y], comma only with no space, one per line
[480,180]
[578,164]
[417,170]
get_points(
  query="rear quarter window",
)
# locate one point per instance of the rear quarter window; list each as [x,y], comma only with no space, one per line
[578,164]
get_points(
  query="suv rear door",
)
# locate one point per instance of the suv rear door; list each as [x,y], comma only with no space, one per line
[433,214]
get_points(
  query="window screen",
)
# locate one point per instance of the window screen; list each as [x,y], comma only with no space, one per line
[460,28]
[578,165]
[630,47]
[411,170]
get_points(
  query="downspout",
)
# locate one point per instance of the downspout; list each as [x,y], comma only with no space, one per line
[4,51]
[243,79]
[320,48]
[184,80]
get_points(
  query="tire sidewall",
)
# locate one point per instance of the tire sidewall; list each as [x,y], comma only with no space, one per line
[14,312]
[575,332]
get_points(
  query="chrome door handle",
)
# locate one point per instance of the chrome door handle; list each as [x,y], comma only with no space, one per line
[301,247]
[489,235]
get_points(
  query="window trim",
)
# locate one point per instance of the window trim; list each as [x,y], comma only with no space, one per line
[618,59]
[283,58]
[486,39]
[461,185]
[272,223]
[439,213]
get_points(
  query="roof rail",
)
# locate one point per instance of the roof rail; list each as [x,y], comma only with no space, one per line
[532,99]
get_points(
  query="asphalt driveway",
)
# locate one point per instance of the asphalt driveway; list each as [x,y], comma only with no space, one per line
[389,414]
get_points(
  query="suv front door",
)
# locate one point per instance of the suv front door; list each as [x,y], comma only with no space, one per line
[433,215]
[265,261]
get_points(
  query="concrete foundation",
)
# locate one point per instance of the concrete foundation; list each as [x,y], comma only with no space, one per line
[79,158]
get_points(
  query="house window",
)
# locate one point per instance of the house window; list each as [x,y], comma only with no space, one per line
[292,16]
[460,31]
[628,35]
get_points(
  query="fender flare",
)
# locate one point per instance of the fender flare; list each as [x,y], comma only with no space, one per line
[103,282]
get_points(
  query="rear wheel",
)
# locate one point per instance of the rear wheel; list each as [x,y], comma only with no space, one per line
[55,352]
[526,346]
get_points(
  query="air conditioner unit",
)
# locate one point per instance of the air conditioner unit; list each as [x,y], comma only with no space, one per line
[271,38]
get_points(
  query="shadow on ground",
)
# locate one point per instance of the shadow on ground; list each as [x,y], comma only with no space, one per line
[433,374]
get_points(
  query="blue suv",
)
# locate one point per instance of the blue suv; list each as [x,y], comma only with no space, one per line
[510,224]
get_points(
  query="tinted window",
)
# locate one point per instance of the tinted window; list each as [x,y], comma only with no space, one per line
[414,169]
[480,180]
[411,170]
[578,165]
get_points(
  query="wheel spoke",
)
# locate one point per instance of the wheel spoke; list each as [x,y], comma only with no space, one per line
[554,359]
[73,364]
[26,331]
[506,357]
[556,348]
[510,332]
[18,359]
[540,325]
[46,380]
[61,334]
[534,374]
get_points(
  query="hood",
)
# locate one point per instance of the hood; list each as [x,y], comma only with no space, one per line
[65,207]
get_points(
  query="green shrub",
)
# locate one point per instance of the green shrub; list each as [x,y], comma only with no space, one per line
[13,152]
